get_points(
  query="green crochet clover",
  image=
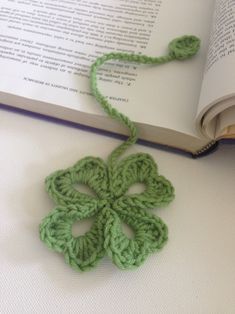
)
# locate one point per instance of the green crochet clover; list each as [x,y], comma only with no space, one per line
[111,205]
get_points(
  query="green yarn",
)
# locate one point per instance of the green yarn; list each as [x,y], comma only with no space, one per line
[184,47]
[111,205]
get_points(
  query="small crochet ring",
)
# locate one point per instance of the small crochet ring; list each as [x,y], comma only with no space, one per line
[184,47]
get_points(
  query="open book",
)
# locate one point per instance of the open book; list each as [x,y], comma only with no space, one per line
[47,47]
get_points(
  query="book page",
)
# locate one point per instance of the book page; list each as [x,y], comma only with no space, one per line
[226,123]
[217,93]
[47,47]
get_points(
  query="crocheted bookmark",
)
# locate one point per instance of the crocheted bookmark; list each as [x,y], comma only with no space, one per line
[110,181]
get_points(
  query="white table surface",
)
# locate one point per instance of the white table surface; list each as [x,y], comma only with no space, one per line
[194,273]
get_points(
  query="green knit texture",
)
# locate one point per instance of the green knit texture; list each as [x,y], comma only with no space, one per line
[111,205]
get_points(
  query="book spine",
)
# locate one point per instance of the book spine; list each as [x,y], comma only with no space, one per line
[209,148]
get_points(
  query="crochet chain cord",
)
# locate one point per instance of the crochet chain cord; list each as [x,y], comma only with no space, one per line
[112,112]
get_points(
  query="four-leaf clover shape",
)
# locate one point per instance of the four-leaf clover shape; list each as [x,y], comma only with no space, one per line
[110,206]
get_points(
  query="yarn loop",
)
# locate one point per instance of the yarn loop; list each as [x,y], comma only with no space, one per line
[184,47]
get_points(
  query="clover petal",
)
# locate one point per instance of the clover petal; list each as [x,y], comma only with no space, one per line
[82,252]
[140,168]
[90,171]
[150,236]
